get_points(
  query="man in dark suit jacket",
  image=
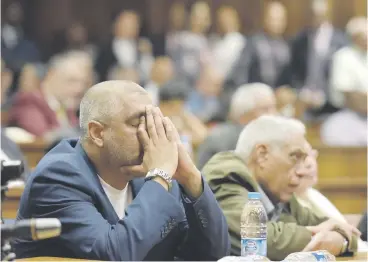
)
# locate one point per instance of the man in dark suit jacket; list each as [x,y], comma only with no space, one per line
[74,182]
[126,49]
[311,54]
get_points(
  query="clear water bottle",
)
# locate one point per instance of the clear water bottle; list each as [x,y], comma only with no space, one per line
[254,227]
[321,255]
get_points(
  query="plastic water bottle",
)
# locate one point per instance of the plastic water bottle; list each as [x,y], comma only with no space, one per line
[254,227]
[321,255]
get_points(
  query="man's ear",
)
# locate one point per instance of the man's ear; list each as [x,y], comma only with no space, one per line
[95,133]
[261,154]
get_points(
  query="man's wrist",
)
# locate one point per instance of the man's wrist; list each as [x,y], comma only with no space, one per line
[192,184]
[162,182]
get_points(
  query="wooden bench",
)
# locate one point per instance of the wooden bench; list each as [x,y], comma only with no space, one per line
[33,151]
[343,177]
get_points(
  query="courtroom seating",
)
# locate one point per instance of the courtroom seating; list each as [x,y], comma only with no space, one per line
[34,151]
[343,177]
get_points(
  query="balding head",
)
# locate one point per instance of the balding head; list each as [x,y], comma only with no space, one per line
[105,100]
[110,113]
[67,78]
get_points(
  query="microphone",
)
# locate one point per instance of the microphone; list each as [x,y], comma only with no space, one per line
[36,228]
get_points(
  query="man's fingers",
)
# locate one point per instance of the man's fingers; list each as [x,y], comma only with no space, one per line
[313,229]
[157,117]
[142,133]
[356,231]
[169,129]
[150,123]
[314,243]
[175,131]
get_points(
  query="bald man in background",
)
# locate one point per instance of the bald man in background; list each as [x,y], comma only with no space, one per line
[95,185]
[50,111]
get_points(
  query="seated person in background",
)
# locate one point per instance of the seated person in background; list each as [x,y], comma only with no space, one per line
[162,72]
[9,149]
[248,102]
[95,185]
[172,100]
[349,84]
[50,111]
[313,199]
[204,101]
[269,158]
[310,197]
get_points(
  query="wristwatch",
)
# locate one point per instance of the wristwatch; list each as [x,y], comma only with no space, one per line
[161,173]
[345,246]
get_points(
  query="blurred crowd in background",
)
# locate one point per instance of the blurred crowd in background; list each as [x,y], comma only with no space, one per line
[211,83]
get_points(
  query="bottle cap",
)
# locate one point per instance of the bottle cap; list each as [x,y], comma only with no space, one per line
[254,195]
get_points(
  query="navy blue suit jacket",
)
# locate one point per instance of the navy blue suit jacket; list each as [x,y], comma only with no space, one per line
[158,225]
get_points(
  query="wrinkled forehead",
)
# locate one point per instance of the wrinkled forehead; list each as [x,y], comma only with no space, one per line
[297,143]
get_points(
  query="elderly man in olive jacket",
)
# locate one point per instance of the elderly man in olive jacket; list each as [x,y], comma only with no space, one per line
[269,158]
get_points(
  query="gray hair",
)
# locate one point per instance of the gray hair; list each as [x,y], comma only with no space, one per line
[99,103]
[245,98]
[269,130]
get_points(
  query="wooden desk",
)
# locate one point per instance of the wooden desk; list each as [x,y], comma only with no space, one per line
[9,207]
[343,177]
[362,256]
[34,151]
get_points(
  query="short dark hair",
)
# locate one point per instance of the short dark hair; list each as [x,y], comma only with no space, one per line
[174,90]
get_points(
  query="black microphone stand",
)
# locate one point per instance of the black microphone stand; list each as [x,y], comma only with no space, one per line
[7,253]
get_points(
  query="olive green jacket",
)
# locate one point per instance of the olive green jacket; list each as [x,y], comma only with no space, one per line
[230,180]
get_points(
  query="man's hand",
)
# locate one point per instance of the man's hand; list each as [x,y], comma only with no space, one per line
[158,141]
[326,240]
[332,224]
[187,173]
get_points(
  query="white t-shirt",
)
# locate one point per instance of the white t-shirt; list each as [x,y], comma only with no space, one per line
[119,199]
[349,72]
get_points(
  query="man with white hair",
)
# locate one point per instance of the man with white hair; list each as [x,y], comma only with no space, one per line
[270,159]
[349,86]
[248,102]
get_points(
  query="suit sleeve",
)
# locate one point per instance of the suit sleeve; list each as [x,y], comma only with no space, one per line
[282,238]
[208,238]
[91,236]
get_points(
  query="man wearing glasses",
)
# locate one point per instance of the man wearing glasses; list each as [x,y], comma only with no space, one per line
[270,158]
